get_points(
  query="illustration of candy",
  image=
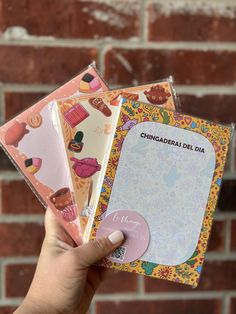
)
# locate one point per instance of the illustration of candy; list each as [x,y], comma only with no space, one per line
[62,198]
[33,164]
[75,115]
[76,144]
[15,133]
[87,211]
[86,167]
[34,120]
[89,83]
[99,104]
[115,101]
[127,123]
[157,95]
[69,213]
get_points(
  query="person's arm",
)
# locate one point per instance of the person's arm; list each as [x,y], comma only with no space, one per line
[65,280]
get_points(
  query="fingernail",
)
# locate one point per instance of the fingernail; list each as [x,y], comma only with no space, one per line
[116,237]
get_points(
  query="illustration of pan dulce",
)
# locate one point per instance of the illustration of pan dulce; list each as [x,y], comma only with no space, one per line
[157,95]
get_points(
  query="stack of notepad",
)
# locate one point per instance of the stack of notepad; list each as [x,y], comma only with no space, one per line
[125,159]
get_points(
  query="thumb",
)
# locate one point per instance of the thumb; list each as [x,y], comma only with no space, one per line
[95,250]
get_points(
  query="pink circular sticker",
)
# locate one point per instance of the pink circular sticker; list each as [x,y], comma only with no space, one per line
[136,232]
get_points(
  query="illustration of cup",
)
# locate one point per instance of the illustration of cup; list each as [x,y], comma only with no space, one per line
[62,198]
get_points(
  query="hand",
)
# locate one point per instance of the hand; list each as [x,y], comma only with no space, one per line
[65,280]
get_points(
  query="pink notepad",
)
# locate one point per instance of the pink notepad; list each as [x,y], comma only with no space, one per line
[32,144]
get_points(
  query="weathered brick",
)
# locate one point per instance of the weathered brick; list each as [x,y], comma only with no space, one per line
[18,278]
[160,307]
[190,67]
[119,282]
[233,235]
[233,306]
[217,237]
[227,200]
[184,25]
[17,102]
[215,276]
[72,19]
[7,309]
[49,65]
[17,198]
[218,108]
[20,239]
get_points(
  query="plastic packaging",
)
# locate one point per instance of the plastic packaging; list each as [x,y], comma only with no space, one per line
[32,144]
[86,125]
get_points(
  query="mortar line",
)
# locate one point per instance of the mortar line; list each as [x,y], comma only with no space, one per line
[16,260]
[226,305]
[22,218]
[11,301]
[126,44]
[10,175]
[224,215]
[200,295]
[101,59]
[15,87]
[217,257]
[92,309]
[228,235]
[144,21]
[141,289]
[3,281]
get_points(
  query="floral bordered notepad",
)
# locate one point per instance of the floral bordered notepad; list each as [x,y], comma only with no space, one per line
[161,187]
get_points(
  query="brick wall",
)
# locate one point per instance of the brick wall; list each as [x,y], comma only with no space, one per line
[42,44]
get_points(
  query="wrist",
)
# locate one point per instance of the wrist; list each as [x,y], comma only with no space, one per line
[29,306]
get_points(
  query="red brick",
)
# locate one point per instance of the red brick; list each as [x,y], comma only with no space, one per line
[160,307]
[126,66]
[49,65]
[20,239]
[119,282]
[217,237]
[233,306]
[233,235]
[17,102]
[18,279]
[72,19]
[188,26]
[216,276]
[17,198]
[219,108]
[7,309]
[227,199]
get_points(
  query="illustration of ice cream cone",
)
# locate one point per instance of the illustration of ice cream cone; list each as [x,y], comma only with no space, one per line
[87,211]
